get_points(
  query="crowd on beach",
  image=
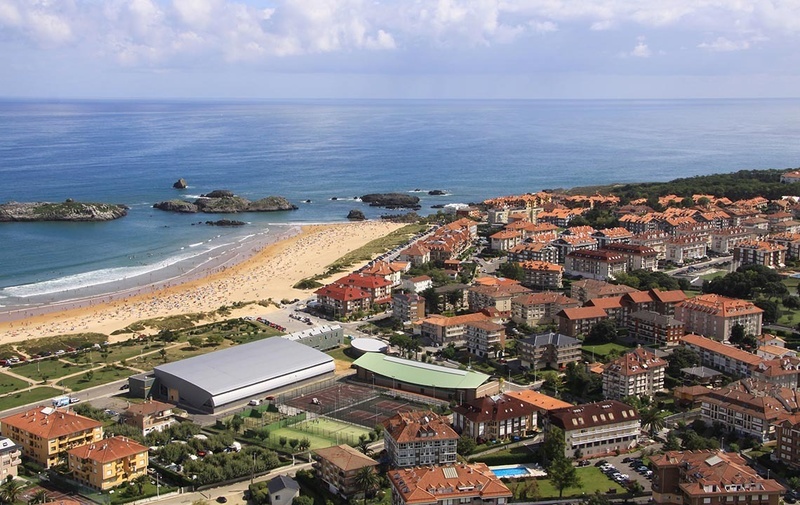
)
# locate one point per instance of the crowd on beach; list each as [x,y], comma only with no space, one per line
[270,273]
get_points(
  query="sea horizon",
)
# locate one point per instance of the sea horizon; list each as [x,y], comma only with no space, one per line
[330,152]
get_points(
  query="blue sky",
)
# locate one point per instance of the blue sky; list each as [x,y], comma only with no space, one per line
[400,49]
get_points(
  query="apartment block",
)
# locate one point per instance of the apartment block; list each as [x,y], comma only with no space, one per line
[448,485]
[45,434]
[714,316]
[595,429]
[548,350]
[109,463]
[636,373]
[419,438]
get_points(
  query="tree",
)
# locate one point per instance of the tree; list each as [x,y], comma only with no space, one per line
[236,423]
[163,353]
[303,500]
[554,444]
[681,357]
[293,443]
[366,479]
[215,339]
[772,311]
[737,334]
[304,444]
[511,270]
[653,419]
[563,475]
[10,491]
[196,342]
[598,499]
[602,333]
[39,497]
[282,441]
[673,443]
[139,483]
[466,445]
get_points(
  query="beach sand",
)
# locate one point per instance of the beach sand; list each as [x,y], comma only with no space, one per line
[268,273]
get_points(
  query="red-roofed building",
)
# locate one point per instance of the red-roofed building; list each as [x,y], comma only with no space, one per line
[108,463]
[337,467]
[636,373]
[419,438]
[755,252]
[616,235]
[666,301]
[46,433]
[448,485]
[416,254]
[536,309]
[379,289]
[494,417]
[725,358]
[710,477]
[343,301]
[715,316]
[443,330]
[485,338]
[533,251]
[496,296]
[542,275]
[505,240]
[148,416]
[779,371]
[595,429]
[580,320]
[787,435]
[638,257]
[598,264]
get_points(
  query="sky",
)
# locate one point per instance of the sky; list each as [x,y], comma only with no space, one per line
[459,49]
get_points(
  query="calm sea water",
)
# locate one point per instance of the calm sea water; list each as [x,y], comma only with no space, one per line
[131,152]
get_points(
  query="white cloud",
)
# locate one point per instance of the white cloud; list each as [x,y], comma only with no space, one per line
[641,50]
[722,44]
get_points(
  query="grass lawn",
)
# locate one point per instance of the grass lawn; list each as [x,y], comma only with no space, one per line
[25,397]
[317,442]
[113,353]
[10,384]
[100,376]
[47,369]
[602,350]
[340,353]
[148,362]
[592,479]
[330,428]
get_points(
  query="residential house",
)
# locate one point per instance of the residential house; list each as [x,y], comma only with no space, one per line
[767,351]
[655,240]
[725,358]
[391,271]
[580,320]
[608,236]
[282,490]
[416,254]
[419,438]
[536,309]
[636,373]
[504,240]
[417,284]
[542,275]
[46,433]
[496,417]
[653,328]
[664,302]
[10,458]
[542,403]
[486,338]
[790,177]
[723,241]
[758,252]
[548,350]
[639,223]
[470,483]
[613,307]
[779,371]
[749,407]
[342,301]
[443,330]
[687,248]
[149,416]
[533,251]
[108,463]
[566,244]
[714,316]
[791,241]
[496,296]
[595,429]
[586,289]
[598,264]
[407,307]
[638,257]
[338,465]
[379,289]
[787,436]
[710,477]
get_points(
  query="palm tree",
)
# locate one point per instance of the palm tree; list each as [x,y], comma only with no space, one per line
[39,497]
[653,420]
[366,480]
[10,491]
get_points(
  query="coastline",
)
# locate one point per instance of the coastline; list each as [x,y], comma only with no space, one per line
[246,274]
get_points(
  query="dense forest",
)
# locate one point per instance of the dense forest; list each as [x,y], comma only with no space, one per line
[740,185]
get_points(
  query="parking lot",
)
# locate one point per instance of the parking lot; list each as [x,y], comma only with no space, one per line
[625,468]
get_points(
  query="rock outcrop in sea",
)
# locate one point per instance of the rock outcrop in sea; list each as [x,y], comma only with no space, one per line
[65,211]
[222,201]
[226,222]
[392,200]
[356,215]
[180,184]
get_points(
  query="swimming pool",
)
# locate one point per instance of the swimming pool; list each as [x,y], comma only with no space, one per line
[511,471]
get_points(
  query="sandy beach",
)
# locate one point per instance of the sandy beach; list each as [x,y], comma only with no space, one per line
[269,273]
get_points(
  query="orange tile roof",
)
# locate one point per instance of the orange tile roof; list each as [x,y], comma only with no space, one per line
[711,472]
[722,349]
[345,457]
[342,293]
[588,415]
[673,296]
[423,425]
[147,408]
[635,362]
[454,482]
[440,320]
[541,266]
[584,313]
[109,450]
[721,305]
[495,408]
[488,280]
[49,423]
[538,400]
[608,302]
[777,367]
[543,298]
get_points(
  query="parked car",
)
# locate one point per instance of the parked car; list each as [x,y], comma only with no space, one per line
[601,462]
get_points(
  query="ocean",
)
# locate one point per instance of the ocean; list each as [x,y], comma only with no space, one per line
[328,153]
